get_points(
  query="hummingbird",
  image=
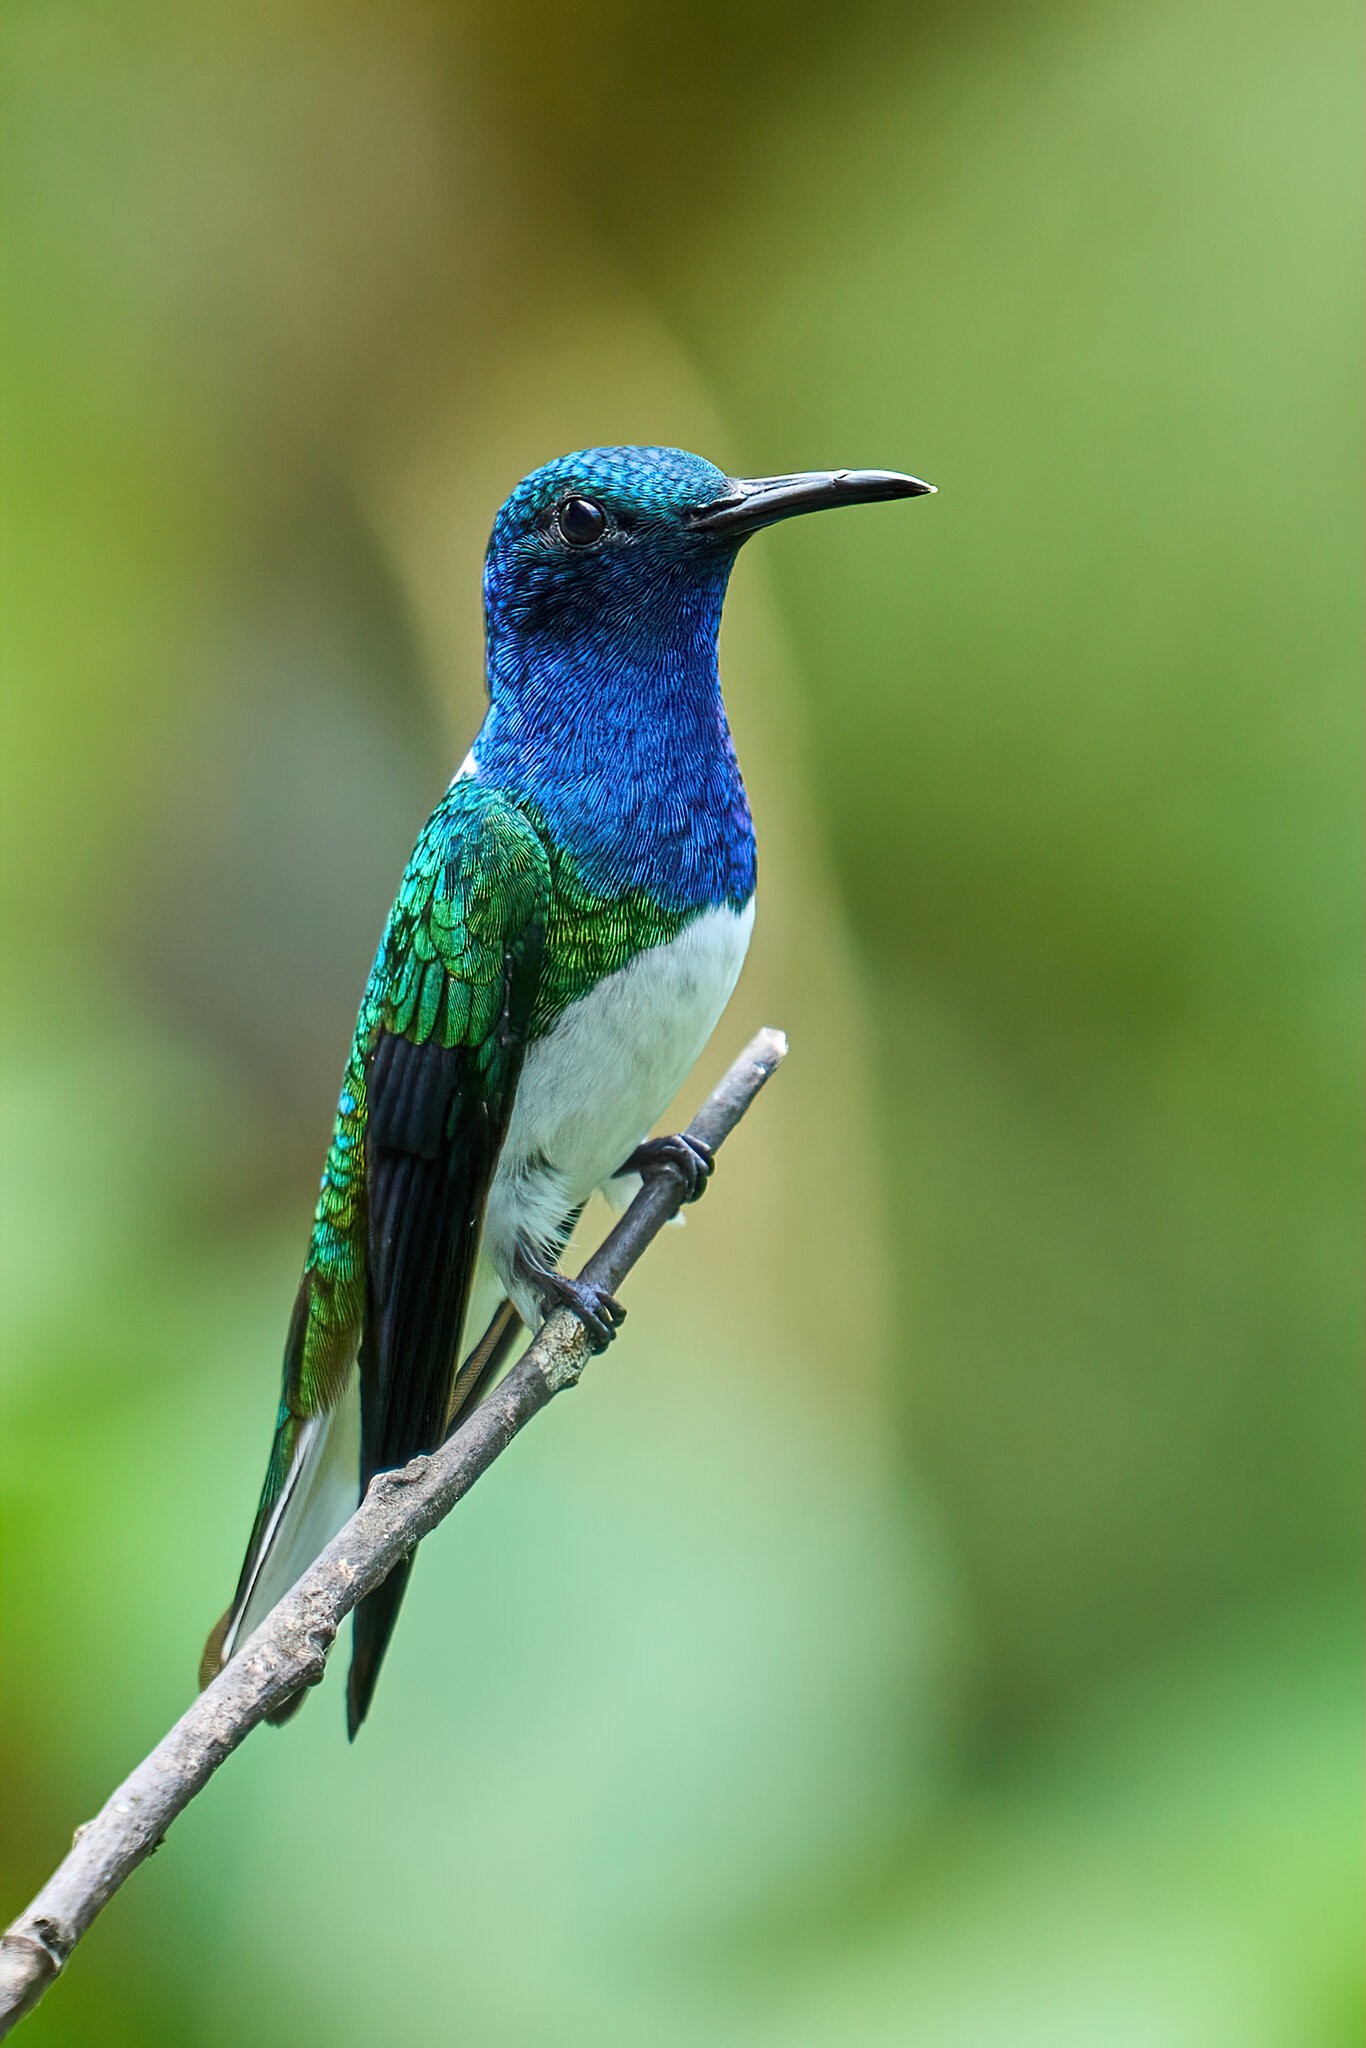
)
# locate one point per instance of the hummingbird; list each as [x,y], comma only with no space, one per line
[566,934]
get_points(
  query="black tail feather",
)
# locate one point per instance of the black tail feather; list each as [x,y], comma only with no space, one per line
[371,1628]
[374,1619]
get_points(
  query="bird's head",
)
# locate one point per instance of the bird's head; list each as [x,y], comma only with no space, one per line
[630,548]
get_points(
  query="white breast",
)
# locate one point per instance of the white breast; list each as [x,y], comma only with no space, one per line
[593,1086]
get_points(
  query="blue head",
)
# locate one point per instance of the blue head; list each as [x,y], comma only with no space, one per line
[603,586]
[595,558]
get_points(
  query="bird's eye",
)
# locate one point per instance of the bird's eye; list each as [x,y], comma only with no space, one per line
[581,521]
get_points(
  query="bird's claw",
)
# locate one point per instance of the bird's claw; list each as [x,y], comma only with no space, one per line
[688,1159]
[601,1314]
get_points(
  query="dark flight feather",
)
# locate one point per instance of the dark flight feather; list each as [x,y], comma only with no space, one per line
[437,1116]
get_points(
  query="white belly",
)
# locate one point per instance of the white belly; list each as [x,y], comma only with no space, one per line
[593,1086]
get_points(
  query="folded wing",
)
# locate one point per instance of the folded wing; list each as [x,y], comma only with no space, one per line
[375,1341]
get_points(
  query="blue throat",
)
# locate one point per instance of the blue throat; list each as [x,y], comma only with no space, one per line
[606,713]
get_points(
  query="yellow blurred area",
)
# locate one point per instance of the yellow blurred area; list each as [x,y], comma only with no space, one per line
[935,1622]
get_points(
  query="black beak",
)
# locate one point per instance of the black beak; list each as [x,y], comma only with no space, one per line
[755,501]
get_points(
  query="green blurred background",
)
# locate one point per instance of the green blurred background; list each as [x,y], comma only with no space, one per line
[936,1623]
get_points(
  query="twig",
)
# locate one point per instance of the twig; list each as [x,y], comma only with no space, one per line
[290,1648]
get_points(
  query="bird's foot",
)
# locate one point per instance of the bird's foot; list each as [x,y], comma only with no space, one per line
[601,1314]
[686,1159]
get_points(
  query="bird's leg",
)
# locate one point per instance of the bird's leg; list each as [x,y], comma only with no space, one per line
[600,1312]
[686,1159]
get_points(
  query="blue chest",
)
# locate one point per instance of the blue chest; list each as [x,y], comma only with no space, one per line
[621,741]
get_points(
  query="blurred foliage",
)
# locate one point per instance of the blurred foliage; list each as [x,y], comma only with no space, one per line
[993,1676]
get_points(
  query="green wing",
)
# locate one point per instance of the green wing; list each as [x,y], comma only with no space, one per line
[375,1338]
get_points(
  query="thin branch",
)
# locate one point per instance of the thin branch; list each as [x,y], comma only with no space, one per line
[290,1648]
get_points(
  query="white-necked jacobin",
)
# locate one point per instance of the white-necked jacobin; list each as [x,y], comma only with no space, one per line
[565,936]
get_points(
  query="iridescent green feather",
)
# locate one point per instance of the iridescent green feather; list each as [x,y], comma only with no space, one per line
[478,876]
